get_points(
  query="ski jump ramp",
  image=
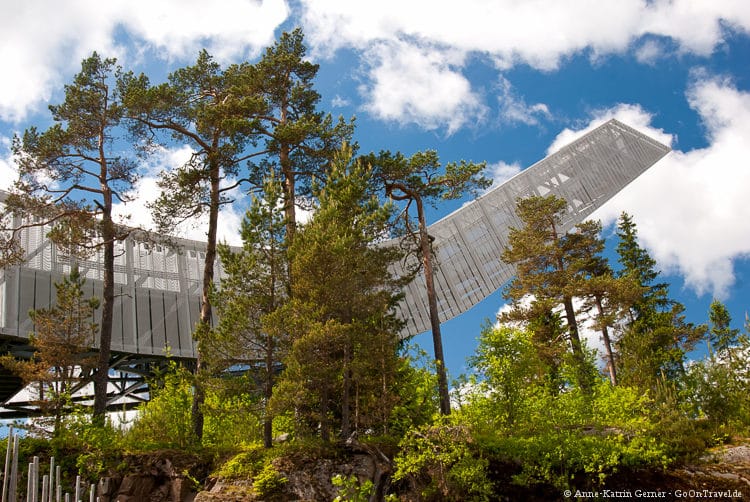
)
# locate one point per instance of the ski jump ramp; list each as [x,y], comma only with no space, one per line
[157,287]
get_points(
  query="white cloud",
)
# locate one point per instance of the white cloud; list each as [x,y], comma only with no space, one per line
[137,213]
[695,26]
[539,33]
[412,84]
[339,102]
[229,29]
[691,208]
[44,42]
[8,171]
[513,108]
[649,52]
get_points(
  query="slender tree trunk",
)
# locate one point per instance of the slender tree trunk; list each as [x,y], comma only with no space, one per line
[346,393]
[101,377]
[607,343]
[206,312]
[437,339]
[570,317]
[268,394]
[285,162]
[575,342]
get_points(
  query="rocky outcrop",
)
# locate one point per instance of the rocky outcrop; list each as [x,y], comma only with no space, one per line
[153,478]
[308,478]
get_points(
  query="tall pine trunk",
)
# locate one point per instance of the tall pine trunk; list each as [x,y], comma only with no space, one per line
[607,343]
[205,320]
[437,339]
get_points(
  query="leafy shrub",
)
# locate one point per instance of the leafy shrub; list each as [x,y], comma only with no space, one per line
[244,465]
[350,489]
[95,449]
[442,460]
[164,421]
[269,482]
[417,393]
[231,415]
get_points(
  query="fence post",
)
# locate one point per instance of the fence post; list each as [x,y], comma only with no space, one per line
[6,469]
[52,479]
[78,489]
[14,471]
[45,487]
[29,482]
[35,483]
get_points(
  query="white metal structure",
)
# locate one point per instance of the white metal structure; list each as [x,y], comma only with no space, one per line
[158,287]
[468,242]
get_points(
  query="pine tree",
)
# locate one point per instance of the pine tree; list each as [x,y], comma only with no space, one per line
[419,180]
[299,141]
[550,267]
[341,317]
[80,156]
[254,287]
[656,337]
[608,296]
[721,335]
[215,111]
[224,115]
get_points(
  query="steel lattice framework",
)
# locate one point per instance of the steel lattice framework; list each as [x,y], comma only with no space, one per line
[158,287]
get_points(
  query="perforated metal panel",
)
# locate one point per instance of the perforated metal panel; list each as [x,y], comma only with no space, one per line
[158,288]
[157,291]
[468,243]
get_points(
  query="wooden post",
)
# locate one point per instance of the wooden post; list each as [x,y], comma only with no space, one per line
[35,482]
[45,488]
[58,479]
[14,472]
[78,489]
[29,481]
[8,457]
[52,479]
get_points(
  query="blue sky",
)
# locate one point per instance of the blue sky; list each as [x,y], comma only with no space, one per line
[503,82]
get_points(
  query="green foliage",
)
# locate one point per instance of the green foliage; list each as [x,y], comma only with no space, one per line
[95,449]
[255,462]
[416,385]
[245,464]
[509,369]
[233,414]
[717,388]
[721,336]
[566,438]
[444,462]
[164,421]
[351,490]
[552,268]
[268,482]
[656,337]
[341,322]
[555,436]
